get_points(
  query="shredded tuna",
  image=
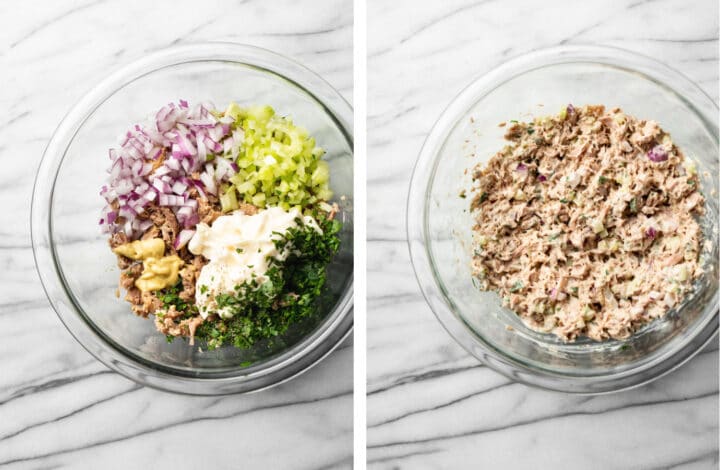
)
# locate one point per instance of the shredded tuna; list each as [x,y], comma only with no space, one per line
[164,219]
[171,322]
[207,212]
[580,231]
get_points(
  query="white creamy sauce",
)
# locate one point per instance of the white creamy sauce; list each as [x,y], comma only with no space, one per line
[236,247]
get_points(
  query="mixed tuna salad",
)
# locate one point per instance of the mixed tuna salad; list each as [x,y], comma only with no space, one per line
[586,223]
[221,223]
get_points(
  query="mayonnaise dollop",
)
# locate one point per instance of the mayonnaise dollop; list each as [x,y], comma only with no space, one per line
[236,247]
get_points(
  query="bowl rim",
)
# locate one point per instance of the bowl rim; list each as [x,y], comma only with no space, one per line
[417,206]
[277,369]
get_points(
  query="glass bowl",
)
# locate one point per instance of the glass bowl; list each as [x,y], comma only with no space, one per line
[77,268]
[439,223]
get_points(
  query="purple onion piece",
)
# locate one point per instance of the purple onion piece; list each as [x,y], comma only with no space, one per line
[570,109]
[542,178]
[657,154]
[651,232]
[521,167]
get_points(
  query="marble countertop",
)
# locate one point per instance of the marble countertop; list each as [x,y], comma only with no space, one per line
[58,405]
[431,405]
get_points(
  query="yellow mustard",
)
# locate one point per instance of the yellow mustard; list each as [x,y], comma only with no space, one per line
[142,249]
[159,271]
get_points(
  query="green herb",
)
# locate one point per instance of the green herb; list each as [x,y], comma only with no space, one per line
[517,286]
[691,182]
[203,289]
[170,298]
[514,121]
[530,130]
[633,205]
[574,290]
[564,201]
[555,236]
[624,347]
[483,197]
[289,293]
[239,250]
[462,194]
[602,180]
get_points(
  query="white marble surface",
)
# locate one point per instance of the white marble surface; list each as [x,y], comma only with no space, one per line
[430,404]
[59,407]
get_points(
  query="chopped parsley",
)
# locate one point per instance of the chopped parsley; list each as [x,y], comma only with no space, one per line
[517,286]
[633,205]
[602,180]
[289,293]
[239,250]
[170,298]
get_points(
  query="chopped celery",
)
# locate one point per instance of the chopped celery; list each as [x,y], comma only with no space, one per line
[279,162]
[321,174]
[228,200]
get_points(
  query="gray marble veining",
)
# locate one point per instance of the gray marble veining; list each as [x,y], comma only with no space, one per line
[59,407]
[431,405]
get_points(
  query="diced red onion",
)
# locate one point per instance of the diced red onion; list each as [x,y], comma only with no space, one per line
[144,225]
[657,154]
[208,182]
[553,294]
[183,238]
[651,232]
[179,188]
[187,137]
[173,163]
[542,177]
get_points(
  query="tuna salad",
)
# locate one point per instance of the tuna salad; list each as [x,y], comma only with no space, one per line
[221,222]
[585,224]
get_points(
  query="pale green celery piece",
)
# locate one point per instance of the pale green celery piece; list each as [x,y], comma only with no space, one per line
[228,200]
[280,163]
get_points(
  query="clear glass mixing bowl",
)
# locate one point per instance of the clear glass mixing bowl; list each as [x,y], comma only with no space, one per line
[77,268]
[439,223]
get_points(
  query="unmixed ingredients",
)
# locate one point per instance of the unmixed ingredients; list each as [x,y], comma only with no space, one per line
[586,223]
[221,222]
